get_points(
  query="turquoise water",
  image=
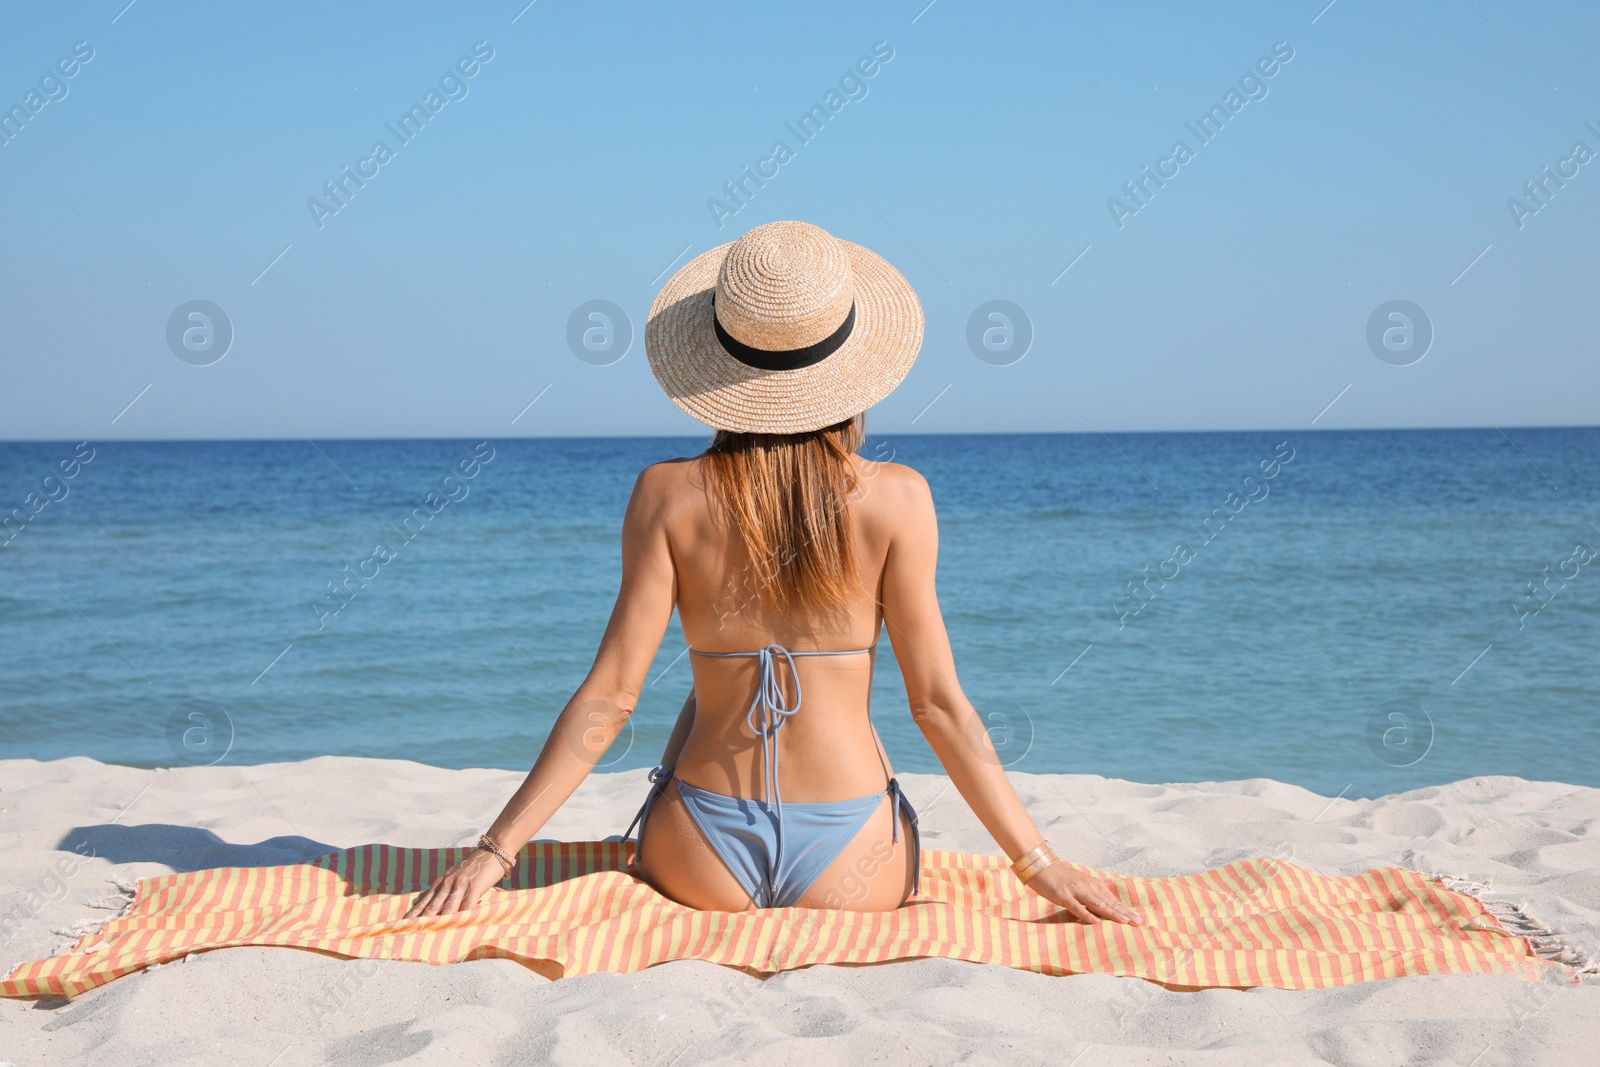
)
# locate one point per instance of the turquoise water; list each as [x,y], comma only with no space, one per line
[1362,620]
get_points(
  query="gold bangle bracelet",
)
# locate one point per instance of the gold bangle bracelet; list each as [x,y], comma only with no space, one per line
[1030,874]
[1030,857]
[1033,861]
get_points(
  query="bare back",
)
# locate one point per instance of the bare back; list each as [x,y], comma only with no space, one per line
[829,750]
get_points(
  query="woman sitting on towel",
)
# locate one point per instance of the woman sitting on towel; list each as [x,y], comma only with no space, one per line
[785,554]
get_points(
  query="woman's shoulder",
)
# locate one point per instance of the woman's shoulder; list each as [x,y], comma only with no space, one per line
[666,488]
[893,499]
[897,479]
[663,480]
[665,469]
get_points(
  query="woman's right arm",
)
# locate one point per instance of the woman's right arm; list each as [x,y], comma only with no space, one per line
[948,721]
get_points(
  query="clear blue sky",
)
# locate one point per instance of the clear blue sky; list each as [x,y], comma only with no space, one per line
[579,164]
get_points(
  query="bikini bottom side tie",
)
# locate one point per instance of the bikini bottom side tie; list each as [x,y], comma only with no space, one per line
[899,803]
[660,775]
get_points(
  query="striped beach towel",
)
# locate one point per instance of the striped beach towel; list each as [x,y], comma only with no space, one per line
[573,908]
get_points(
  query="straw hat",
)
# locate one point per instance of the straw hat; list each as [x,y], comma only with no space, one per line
[785,330]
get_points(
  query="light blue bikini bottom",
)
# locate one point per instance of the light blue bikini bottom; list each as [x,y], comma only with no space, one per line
[745,835]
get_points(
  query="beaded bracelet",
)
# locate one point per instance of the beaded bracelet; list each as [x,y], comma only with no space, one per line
[497,852]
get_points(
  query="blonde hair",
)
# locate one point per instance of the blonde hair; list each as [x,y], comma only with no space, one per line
[787,495]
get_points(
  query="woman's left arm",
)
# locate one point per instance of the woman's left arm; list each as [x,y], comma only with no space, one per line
[598,710]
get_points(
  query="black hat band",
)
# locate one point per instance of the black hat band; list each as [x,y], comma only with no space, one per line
[783,359]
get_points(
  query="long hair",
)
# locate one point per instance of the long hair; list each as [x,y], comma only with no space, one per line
[787,495]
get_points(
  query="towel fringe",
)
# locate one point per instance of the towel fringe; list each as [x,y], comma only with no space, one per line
[83,931]
[1548,942]
[118,903]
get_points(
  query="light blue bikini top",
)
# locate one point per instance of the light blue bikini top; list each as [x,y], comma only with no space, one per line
[768,712]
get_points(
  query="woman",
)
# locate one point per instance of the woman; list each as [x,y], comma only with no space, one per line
[785,553]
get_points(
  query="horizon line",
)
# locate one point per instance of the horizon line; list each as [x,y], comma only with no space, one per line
[709,431]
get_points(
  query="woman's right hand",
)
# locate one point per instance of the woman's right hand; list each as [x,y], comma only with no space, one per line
[460,887]
[1085,897]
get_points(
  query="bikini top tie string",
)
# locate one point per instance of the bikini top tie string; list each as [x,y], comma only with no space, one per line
[773,711]
[767,714]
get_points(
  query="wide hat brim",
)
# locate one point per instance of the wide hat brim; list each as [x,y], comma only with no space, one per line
[700,376]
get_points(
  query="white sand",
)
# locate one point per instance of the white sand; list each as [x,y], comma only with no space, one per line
[256,1005]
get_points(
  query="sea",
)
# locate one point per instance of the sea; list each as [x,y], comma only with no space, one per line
[1355,612]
